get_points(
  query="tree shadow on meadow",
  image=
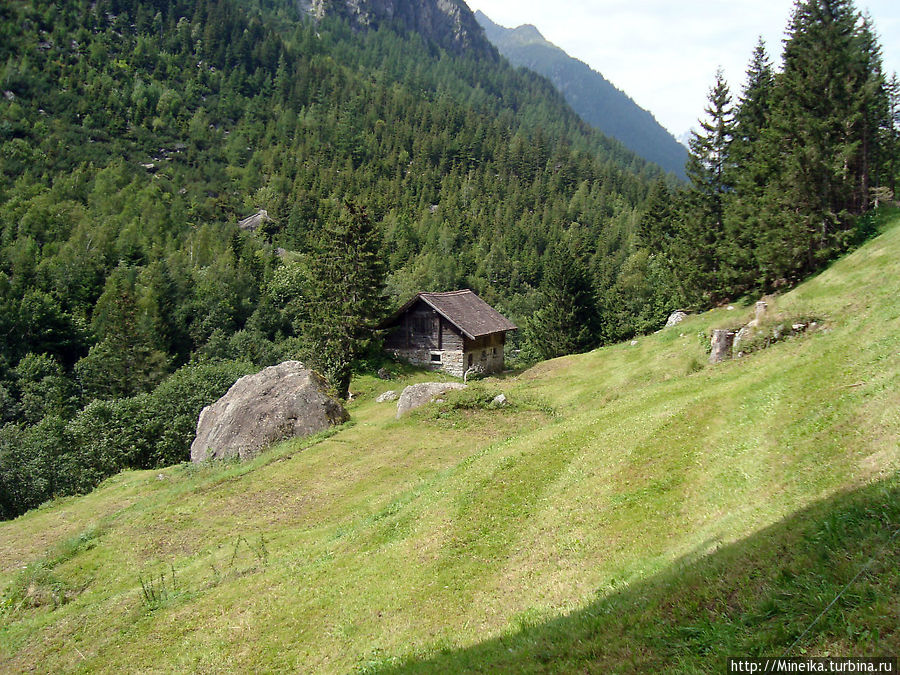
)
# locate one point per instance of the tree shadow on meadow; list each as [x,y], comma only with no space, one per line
[757,597]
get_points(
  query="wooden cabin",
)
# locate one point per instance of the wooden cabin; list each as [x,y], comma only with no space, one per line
[452,332]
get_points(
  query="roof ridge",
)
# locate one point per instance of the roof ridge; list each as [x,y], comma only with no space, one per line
[460,292]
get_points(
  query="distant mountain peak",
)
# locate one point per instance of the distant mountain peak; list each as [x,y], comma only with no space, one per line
[449,23]
[597,101]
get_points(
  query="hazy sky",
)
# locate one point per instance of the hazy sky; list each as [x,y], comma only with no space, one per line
[664,53]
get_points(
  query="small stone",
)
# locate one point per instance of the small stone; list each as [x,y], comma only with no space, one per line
[389,395]
[160,476]
[416,395]
[500,400]
[730,307]
[384,374]
[633,343]
[798,327]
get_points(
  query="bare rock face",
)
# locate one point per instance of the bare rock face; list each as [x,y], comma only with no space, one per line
[277,403]
[417,395]
[449,23]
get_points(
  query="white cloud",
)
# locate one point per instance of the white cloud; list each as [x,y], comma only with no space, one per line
[664,54]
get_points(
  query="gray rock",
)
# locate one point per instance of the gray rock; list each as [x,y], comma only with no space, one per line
[417,395]
[762,308]
[277,403]
[251,223]
[743,334]
[450,23]
[500,400]
[676,318]
[389,395]
[384,374]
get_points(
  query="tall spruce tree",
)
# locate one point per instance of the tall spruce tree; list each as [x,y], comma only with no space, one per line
[345,298]
[700,245]
[751,172]
[827,110]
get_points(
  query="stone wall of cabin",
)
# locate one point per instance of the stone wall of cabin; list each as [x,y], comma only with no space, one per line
[448,361]
[424,338]
[485,352]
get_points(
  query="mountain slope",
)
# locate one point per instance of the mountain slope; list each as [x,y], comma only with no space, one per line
[576,529]
[448,23]
[135,135]
[597,101]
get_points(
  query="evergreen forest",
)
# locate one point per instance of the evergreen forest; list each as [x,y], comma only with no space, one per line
[136,134]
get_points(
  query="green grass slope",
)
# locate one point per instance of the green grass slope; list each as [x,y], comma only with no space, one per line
[631,509]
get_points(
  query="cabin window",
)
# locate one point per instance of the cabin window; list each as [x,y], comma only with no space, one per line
[435,358]
[494,351]
[470,360]
[422,324]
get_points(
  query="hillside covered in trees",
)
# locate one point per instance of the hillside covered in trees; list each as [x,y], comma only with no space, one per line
[135,134]
[784,176]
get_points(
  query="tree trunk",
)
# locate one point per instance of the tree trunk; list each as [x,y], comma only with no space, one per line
[722,343]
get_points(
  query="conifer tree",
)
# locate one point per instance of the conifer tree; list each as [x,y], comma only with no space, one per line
[828,106]
[345,298]
[752,171]
[698,249]
[565,323]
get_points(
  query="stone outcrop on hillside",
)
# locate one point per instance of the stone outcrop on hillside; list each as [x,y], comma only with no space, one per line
[449,23]
[277,403]
[417,395]
[676,318]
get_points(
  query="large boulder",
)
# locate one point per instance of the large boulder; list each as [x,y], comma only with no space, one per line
[275,404]
[417,395]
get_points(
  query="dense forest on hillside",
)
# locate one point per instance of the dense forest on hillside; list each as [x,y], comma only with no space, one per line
[784,178]
[134,136]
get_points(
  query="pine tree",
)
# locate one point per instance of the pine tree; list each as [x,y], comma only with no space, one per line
[827,112]
[566,321]
[751,116]
[700,245]
[345,300]
[752,171]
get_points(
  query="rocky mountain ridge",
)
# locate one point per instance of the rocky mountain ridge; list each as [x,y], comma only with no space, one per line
[448,23]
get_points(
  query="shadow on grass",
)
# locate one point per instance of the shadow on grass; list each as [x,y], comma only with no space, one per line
[754,597]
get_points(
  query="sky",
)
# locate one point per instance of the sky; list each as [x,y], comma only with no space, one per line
[664,53]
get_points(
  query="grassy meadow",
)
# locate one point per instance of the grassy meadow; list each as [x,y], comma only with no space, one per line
[634,508]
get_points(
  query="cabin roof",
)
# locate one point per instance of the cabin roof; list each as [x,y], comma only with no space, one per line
[465,310]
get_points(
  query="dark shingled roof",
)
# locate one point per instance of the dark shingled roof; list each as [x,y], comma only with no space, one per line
[465,310]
